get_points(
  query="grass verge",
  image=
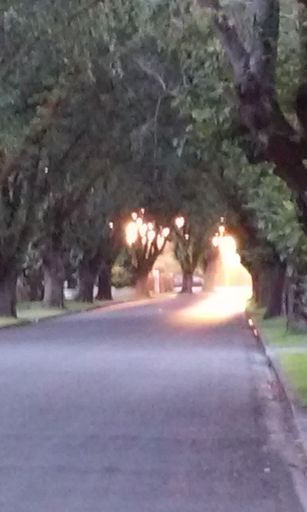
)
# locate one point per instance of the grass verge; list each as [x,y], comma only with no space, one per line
[295,368]
[276,330]
[294,360]
[279,335]
[35,311]
[9,321]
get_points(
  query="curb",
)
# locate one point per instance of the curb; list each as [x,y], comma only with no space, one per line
[288,395]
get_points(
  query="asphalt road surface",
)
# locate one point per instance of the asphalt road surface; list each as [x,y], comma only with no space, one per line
[149,407]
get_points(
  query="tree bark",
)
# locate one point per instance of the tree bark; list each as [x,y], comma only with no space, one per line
[8,297]
[35,285]
[54,275]
[105,282]
[276,290]
[274,138]
[87,277]
[187,282]
[299,290]
[255,285]
[260,283]
[142,286]
[86,287]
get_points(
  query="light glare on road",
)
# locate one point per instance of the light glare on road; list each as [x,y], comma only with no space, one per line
[224,303]
[229,295]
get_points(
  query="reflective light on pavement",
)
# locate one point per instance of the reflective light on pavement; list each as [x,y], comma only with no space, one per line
[223,303]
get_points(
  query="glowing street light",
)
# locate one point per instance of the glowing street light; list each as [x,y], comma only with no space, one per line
[221,230]
[160,241]
[228,245]
[228,249]
[151,235]
[165,232]
[131,233]
[143,229]
[179,222]
[139,221]
[146,233]
[215,240]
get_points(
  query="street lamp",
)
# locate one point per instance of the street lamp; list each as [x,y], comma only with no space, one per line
[131,233]
[219,235]
[137,230]
[179,222]
[215,240]
[182,227]
[221,230]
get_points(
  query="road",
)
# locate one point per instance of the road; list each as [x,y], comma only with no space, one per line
[150,407]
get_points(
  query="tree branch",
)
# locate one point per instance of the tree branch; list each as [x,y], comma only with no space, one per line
[275,137]
[151,72]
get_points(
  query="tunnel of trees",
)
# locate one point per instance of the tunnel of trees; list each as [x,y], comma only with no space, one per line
[182,107]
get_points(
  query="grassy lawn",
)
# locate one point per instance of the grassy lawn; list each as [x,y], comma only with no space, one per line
[294,363]
[35,311]
[295,367]
[73,305]
[8,321]
[275,329]
[277,334]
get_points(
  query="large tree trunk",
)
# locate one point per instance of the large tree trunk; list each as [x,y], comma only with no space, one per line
[255,285]
[88,271]
[299,295]
[86,287]
[8,298]
[260,283]
[36,288]
[289,299]
[142,286]
[54,275]
[105,282]
[187,282]
[71,277]
[276,290]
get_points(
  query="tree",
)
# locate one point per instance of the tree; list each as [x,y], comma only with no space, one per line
[254,62]
[200,209]
[96,235]
[275,242]
[147,238]
[38,65]
[213,133]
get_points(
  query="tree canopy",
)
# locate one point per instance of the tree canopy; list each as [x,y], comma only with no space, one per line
[192,108]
